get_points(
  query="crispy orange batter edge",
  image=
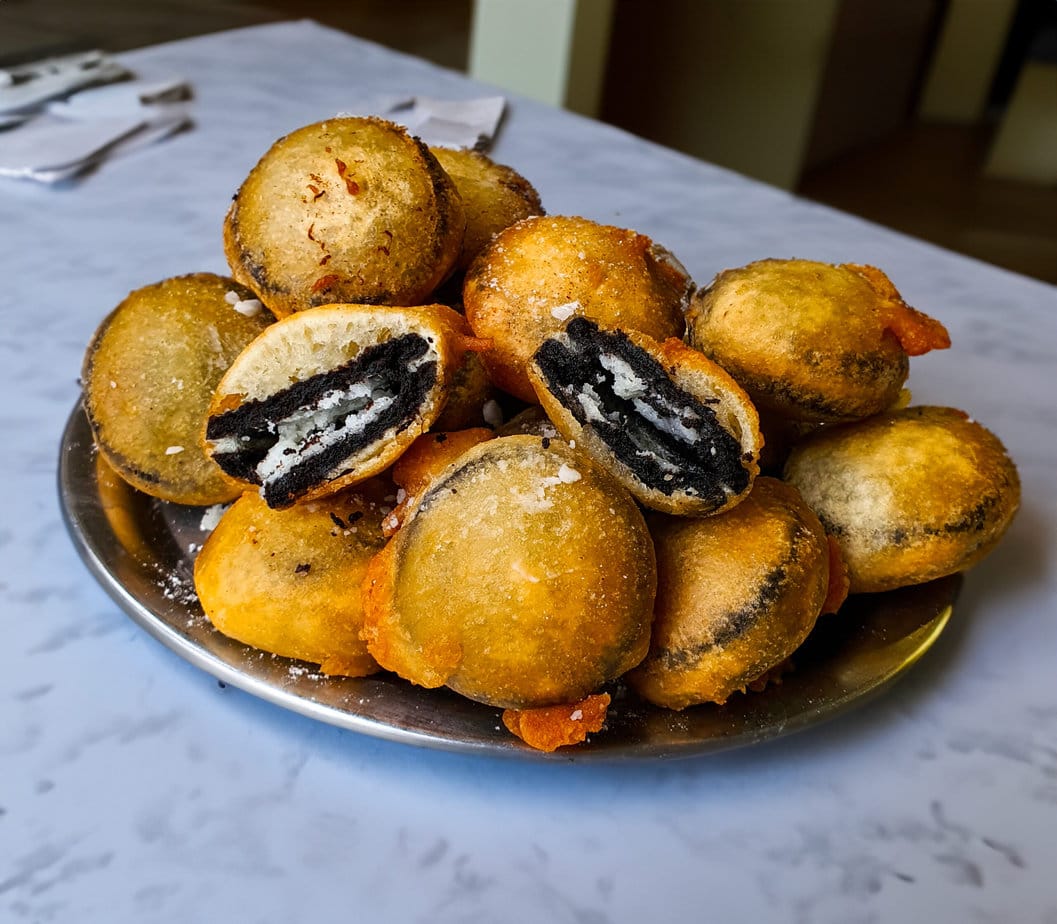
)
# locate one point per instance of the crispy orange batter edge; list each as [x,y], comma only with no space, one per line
[839,582]
[916,332]
[423,461]
[551,727]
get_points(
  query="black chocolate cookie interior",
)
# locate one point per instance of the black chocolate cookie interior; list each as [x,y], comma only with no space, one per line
[670,439]
[303,435]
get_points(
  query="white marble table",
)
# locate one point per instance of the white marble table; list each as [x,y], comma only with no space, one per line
[133,787]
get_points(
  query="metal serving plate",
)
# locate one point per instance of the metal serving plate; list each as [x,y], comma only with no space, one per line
[142,551]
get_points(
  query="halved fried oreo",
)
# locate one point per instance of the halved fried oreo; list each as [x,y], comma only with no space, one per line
[329,397]
[541,271]
[675,429]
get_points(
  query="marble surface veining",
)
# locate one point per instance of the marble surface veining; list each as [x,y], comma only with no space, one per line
[133,787]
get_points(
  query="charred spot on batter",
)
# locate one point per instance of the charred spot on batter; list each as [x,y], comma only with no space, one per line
[669,438]
[305,434]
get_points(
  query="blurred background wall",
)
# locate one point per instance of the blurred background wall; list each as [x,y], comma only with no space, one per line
[934,117]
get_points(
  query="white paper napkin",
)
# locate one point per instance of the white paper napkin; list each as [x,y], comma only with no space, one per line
[469,123]
[73,134]
[27,86]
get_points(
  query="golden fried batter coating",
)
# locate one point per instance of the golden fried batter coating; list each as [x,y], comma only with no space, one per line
[423,461]
[149,375]
[737,594]
[286,581]
[551,727]
[494,196]
[538,273]
[468,393]
[348,210]
[326,398]
[523,577]
[533,421]
[811,341]
[910,496]
[674,428]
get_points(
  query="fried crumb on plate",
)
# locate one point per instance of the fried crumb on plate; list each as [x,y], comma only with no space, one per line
[551,727]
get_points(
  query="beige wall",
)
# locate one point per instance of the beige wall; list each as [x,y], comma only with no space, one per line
[730,81]
[967,55]
[551,50]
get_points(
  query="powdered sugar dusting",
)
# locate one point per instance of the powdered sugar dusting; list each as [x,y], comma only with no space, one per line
[568,475]
[566,311]
[250,307]
[178,588]
[211,516]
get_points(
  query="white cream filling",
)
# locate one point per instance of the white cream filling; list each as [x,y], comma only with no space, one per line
[626,382]
[666,423]
[592,404]
[359,410]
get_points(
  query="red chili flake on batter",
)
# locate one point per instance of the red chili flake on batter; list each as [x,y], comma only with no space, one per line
[325,282]
[350,184]
[316,192]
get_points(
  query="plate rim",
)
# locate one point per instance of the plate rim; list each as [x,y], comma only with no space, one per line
[73,506]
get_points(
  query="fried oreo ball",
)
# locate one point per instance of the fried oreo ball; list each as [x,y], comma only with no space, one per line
[811,341]
[737,594]
[494,196]
[326,398]
[149,375]
[675,429]
[523,577]
[349,210]
[285,581]
[541,271]
[910,496]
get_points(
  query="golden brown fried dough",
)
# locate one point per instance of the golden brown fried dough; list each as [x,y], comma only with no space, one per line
[811,341]
[493,195]
[423,461]
[533,421]
[551,727]
[540,272]
[469,392]
[286,581]
[523,577]
[349,210]
[737,594]
[910,496]
[149,375]
[326,398]
[675,429]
